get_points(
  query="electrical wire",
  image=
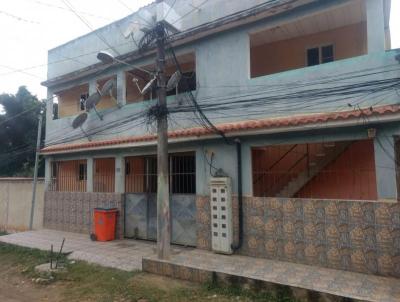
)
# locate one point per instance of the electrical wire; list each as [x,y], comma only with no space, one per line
[170,9]
[18,18]
[190,12]
[69,10]
[70,6]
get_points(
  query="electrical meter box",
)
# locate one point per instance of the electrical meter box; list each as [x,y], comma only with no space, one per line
[221,215]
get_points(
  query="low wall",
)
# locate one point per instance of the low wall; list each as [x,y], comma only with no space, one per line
[73,211]
[15,204]
[348,235]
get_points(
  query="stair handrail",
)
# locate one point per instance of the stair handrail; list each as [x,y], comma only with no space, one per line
[275,163]
[288,170]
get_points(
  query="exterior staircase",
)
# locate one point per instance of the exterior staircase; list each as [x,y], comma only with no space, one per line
[324,157]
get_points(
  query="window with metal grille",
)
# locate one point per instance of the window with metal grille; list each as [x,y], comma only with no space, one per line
[320,55]
[82,171]
[68,176]
[104,175]
[327,54]
[182,170]
[141,174]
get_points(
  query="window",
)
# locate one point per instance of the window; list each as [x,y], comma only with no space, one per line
[82,172]
[127,168]
[182,174]
[313,56]
[142,175]
[327,54]
[82,101]
[54,169]
[320,55]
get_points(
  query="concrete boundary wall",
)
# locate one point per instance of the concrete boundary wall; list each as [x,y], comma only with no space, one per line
[355,236]
[15,204]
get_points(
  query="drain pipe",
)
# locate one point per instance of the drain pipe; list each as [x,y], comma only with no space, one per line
[238,143]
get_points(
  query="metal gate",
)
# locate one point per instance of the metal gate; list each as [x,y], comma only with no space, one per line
[141,217]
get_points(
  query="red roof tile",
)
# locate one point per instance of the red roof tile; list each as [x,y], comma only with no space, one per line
[227,128]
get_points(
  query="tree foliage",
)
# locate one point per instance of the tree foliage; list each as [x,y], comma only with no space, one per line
[18,133]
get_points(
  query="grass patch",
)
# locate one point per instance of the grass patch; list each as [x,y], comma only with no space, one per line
[85,282]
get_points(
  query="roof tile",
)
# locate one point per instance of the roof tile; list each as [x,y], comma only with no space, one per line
[235,126]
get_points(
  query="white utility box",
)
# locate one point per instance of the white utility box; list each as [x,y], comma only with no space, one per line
[221,215]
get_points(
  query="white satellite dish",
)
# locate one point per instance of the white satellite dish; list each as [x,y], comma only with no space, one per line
[92,101]
[107,89]
[132,29]
[174,80]
[146,88]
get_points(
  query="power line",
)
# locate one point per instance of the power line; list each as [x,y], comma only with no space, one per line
[190,12]
[21,71]
[69,10]
[19,18]
[170,9]
[69,5]
[60,61]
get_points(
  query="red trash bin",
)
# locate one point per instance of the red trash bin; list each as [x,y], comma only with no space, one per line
[104,223]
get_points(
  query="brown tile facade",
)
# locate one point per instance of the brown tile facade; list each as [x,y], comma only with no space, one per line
[348,235]
[73,211]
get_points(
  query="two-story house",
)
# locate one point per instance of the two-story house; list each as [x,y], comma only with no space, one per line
[306,93]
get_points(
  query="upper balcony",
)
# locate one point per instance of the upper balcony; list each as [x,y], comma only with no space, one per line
[331,35]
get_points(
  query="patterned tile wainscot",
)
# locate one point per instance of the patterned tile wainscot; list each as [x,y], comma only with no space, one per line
[73,211]
[355,236]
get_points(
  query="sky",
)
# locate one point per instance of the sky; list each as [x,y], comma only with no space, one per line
[29,28]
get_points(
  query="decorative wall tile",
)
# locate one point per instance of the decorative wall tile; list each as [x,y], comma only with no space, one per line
[73,211]
[356,236]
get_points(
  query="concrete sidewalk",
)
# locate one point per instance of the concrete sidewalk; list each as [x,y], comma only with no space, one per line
[122,254]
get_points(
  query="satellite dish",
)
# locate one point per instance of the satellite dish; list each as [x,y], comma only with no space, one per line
[79,120]
[92,101]
[174,80]
[133,28]
[107,87]
[146,88]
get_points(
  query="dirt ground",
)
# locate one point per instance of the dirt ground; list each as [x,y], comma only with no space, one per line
[15,287]
[83,282]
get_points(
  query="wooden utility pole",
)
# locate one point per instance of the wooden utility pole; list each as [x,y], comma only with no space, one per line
[39,137]
[163,213]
